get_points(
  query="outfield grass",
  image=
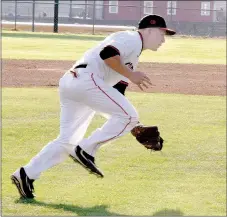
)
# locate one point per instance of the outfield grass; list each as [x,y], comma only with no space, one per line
[22,45]
[188,178]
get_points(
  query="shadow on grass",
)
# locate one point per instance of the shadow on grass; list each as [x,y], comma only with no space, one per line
[100,210]
[40,35]
[169,212]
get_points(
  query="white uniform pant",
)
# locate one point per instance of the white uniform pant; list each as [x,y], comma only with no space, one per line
[80,98]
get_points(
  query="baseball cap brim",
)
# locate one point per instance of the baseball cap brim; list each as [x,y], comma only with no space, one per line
[169,31]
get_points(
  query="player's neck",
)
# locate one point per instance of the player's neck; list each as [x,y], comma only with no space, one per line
[143,33]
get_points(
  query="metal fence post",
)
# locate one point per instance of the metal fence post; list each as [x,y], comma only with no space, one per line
[85,10]
[33,16]
[15,16]
[70,10]
[194,28]
[56,6]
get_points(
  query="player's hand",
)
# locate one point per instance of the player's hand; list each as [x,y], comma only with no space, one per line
[140,79]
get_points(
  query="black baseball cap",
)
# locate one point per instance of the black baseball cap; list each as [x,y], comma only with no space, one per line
[155,21]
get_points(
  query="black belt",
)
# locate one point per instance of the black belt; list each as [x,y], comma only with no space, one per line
[81,66]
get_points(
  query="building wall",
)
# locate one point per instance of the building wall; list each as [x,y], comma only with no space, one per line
[186,11]
[219,14]
[124,13]
[160,8]
[191,11]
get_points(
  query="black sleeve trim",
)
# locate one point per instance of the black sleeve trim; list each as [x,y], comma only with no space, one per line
[124,82]
[109,51]
[121,87]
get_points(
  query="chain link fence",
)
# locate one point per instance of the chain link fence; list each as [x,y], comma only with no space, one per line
[99,17]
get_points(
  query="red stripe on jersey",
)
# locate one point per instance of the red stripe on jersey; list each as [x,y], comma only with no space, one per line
[107,94]
[92,77]
[141,37]
[123,82]
[118,133]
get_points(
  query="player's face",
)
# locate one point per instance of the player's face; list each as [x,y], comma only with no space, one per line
[156,38]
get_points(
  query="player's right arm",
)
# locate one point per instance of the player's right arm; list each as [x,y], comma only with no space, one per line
[112,57]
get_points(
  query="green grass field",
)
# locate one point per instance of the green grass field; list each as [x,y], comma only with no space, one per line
[71,47]
[187,179]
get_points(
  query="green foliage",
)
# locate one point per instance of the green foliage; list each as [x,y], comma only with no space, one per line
[188,178]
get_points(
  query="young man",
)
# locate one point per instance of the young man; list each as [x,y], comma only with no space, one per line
[88,88]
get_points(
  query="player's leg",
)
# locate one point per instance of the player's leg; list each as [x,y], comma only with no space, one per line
[122,117]
[74,121]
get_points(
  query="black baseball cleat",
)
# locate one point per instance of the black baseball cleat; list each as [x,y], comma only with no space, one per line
[23,183]
[87,161]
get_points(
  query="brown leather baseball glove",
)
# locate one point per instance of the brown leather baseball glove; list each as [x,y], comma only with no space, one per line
[148,136]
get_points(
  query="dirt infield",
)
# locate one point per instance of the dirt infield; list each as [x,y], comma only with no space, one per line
[167,78]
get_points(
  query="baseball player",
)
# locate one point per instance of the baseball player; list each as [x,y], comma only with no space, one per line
[87,88]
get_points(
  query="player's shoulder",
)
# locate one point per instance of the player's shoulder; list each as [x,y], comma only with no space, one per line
[124,35]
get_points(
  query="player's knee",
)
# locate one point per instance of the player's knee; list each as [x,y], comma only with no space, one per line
[134,121]
[132,118]
[63,142]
